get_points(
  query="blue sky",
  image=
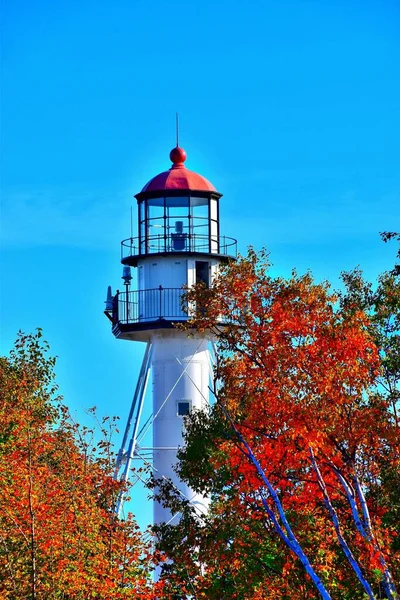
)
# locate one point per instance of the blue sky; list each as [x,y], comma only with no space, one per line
[291,109]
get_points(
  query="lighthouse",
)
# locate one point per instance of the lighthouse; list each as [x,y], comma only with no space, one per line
[178,244]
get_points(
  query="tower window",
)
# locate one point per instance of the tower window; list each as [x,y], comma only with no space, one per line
[203,272]
[183,408]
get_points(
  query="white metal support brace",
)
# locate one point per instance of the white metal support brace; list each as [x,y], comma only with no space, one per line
[126,456]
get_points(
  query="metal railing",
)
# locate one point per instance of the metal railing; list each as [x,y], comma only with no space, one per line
[179,242]
[141,306]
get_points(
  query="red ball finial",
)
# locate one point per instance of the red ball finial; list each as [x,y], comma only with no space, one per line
[177,155]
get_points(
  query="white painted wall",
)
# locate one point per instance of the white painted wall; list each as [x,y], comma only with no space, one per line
[181,372]
[180,368]
[170,271]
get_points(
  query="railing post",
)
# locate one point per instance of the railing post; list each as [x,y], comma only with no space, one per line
[127,303]
[160,289]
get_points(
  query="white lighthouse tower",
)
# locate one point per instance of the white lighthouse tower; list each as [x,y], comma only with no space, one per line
[178,244]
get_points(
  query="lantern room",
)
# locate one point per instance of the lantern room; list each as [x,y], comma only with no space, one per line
[178,212]
[178,244]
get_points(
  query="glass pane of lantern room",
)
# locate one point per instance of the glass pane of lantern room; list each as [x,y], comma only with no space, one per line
[142,211]
[155,224]
[142,227]
[142,233]
[177,211]
[177,206]
[199,206]
[199,224]
[155,208]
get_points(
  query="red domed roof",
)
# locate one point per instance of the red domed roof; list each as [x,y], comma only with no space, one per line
[178,177]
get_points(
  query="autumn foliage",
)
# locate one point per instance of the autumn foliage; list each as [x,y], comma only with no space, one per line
[300,452]
[59,537]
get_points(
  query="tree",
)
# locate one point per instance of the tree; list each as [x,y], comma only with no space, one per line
[59,536]
[300,452]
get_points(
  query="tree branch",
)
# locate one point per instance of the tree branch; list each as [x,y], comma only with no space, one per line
[335,520]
